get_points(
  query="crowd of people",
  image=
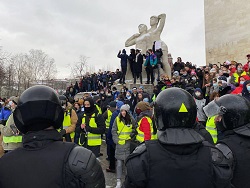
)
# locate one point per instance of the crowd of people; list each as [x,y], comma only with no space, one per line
[125,118]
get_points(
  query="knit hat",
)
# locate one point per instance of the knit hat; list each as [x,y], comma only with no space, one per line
[223,78]
[176,73]
[197,89]
[143,106]
[15,100]
[125,107]
[119,104]
[112,104]
[213,70]
[141,87]
[134,88]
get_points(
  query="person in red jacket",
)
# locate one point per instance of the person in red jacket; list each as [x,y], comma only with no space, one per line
[247,65]
[241,81]
[145,127]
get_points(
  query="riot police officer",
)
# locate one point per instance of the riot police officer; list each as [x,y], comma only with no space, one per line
[44,160]
[180,157]
[234,122]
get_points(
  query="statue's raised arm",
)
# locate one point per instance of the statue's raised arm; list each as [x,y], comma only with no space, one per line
[157,24]
[132,40]
[161,20]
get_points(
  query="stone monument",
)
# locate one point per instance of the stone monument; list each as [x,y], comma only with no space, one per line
[145,38]
[226,30]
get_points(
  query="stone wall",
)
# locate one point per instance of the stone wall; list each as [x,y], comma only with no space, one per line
[226,29]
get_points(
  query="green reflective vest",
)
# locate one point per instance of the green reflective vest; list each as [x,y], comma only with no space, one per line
[140,135]
[123,132]
[67,122]
[92,139]
[107,122]
[211,128]
[12,139]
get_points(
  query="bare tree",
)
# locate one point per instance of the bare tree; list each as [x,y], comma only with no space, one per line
[79,68]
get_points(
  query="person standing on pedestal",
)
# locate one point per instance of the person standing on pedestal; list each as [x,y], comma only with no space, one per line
[124,60]
[131,59]
[150,63]
[138,66]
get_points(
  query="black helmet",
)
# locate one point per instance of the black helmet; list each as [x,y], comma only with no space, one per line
[237,111]
[38,108]
[63,100]
[174,108]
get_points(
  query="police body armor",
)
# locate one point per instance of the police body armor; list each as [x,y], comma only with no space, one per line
[190,167]
[240,146]
[50,174]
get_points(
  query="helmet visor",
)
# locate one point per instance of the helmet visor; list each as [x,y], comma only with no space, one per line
[213,109]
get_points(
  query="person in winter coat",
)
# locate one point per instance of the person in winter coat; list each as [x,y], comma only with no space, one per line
[5,113]
[241,81]
[138,66]
[93,125]
[246,67]
[70,119]
[111,107]
[110,141]
[79,113]
[124,60]
[246,90]
[122,131]
[12,139]
[145,129]
[150,64]
[200,102]
[131,59]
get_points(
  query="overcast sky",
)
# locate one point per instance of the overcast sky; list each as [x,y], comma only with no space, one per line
[66,29]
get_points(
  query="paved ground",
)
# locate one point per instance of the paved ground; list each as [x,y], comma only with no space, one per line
[110,177]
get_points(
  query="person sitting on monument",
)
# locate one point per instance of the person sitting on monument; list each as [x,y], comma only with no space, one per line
[150,63]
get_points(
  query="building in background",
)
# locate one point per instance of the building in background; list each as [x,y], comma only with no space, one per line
[226,30]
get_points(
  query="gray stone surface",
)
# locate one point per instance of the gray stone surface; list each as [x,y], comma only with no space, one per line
[226,28]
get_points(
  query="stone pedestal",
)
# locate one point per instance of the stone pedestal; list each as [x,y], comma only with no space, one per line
[147,87]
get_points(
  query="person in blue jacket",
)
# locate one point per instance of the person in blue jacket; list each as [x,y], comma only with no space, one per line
[5,112]
[150,65]
[124,62]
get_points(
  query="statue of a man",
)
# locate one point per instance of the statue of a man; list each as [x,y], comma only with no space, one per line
[145,38]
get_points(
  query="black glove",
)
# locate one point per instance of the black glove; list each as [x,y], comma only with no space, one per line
[88,128]
[62,132]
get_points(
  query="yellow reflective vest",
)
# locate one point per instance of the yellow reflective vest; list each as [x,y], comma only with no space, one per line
[211,128]
[12,139]
[98,109]
[140,135]
[154,97]
[107,122]
[236,76]
[92,139]
[67,122]
[123,131]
